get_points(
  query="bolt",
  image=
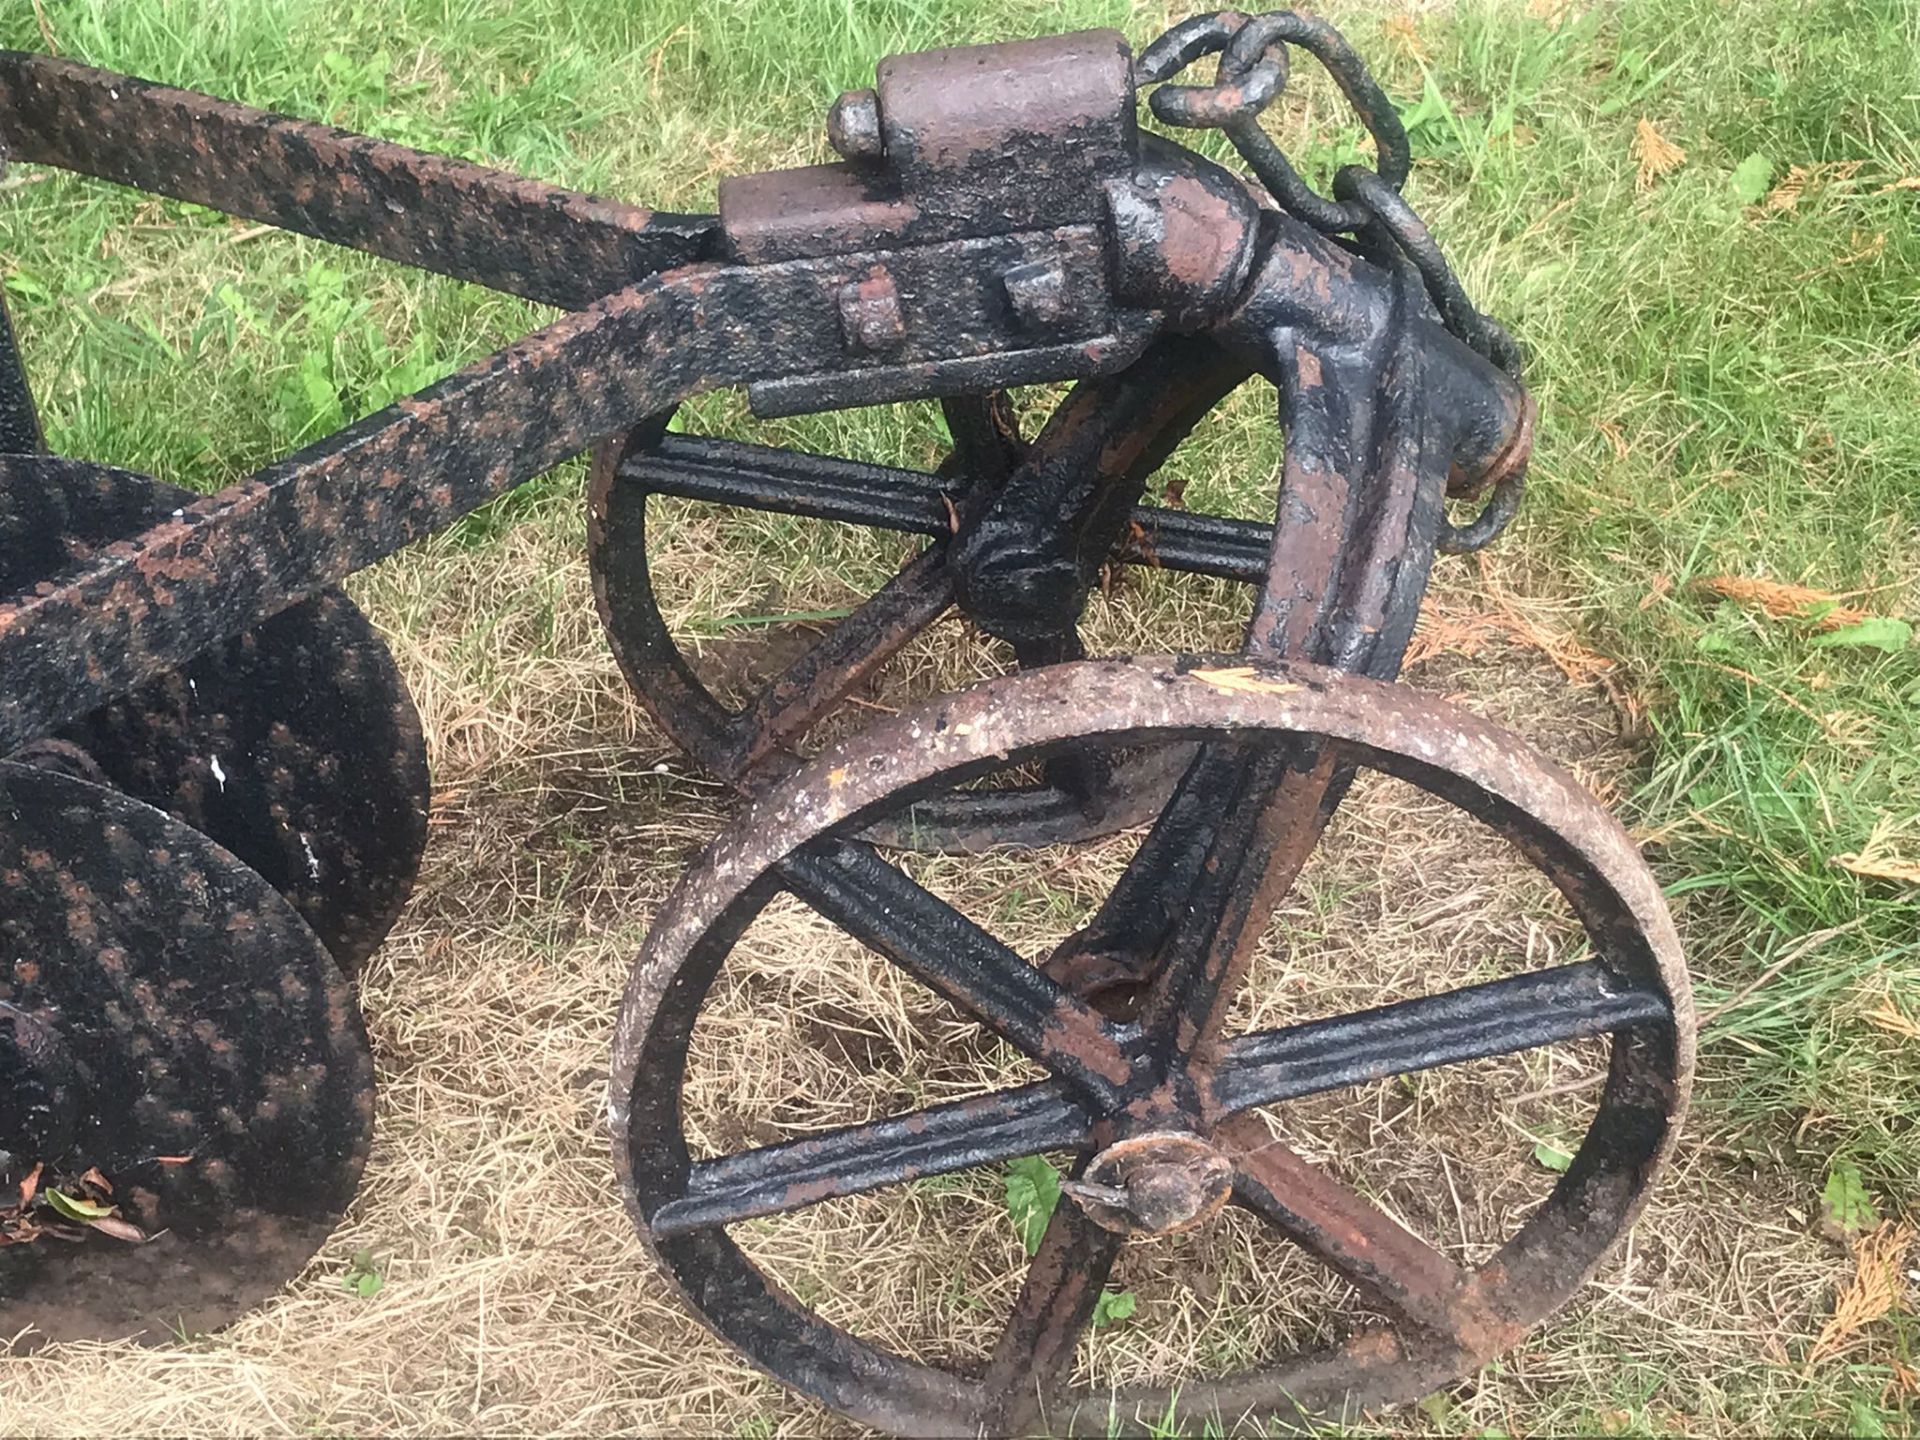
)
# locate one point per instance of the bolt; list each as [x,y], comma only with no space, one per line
[1111,1195]
[870,313]
[1039,295]
[853,126]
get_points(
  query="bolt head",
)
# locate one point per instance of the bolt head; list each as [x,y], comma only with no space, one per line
[853,126]
[1039,294]
[870,318]
[1173,1181]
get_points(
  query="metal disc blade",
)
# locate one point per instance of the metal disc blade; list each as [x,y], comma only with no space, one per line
[295,746]
[169,1021]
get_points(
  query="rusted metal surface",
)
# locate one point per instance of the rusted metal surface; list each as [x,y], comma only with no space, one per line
[1157,1183]
[295,746]
[168,1020]
[1121,1080]
[996,219]
[19,421]
[913,502]
[432,211]
[1021,531]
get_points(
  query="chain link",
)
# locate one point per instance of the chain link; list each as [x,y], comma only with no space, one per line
[1366,204]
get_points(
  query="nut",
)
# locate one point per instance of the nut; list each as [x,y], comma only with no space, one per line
[1039,294]
[870,316]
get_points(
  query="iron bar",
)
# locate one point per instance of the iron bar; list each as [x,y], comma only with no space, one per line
[886,910]
[913,502]
[1349,1233]
[556,246]
[776,1179]
[1500,1017]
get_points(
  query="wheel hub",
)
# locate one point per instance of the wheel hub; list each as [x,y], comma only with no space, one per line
[1155,1184]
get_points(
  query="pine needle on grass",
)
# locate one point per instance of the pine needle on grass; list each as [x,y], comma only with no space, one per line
[1870,1295]
[1654,154]
[1783,601]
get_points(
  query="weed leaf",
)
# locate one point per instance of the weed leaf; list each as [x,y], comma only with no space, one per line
[1879,633]
[1033,1190]
[1845,1204]
[85,1211]
[1752,177]
[363,1277]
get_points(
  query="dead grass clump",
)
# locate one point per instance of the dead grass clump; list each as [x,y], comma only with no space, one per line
[1783,601]
[1654,156]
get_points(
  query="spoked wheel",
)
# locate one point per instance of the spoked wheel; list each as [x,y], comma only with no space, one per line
[296,746]
[178,1054]
[1017,532]
[1159,1112]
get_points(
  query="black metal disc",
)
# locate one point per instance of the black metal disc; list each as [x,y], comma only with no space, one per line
[295,746]
[167,1019]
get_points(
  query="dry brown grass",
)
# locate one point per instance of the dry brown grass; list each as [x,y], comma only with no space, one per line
[517,1298]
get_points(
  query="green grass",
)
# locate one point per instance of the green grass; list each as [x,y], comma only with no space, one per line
[1725,390]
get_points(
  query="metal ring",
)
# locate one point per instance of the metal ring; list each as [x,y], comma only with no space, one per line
[1393,155]
[1243,87]
[1408,233]
[1192,38]
[1494,517]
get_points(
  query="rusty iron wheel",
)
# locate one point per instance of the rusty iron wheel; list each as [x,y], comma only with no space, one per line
[169,1020]
[1157,1106]
[1019,569]
[295,746]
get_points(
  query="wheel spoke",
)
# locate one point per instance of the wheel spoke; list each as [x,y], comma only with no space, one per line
[1271,808]
[1545,1007]
[1395,1267]
[823,487]
[889,912]
[986,439]
[777,1179]
[1056,1303]
[792,482]
[849,653]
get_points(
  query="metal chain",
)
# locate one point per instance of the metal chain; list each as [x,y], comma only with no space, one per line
[1366,203]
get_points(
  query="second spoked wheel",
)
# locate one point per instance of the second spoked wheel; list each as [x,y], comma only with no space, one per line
[1011,531]
[1161,1120]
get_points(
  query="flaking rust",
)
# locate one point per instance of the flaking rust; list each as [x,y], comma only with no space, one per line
[211,772]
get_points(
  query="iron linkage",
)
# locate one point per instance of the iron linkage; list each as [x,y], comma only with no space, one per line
[1366,204]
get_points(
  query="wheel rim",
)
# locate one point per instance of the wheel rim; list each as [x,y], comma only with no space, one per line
[750,746]
[1446,1323]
